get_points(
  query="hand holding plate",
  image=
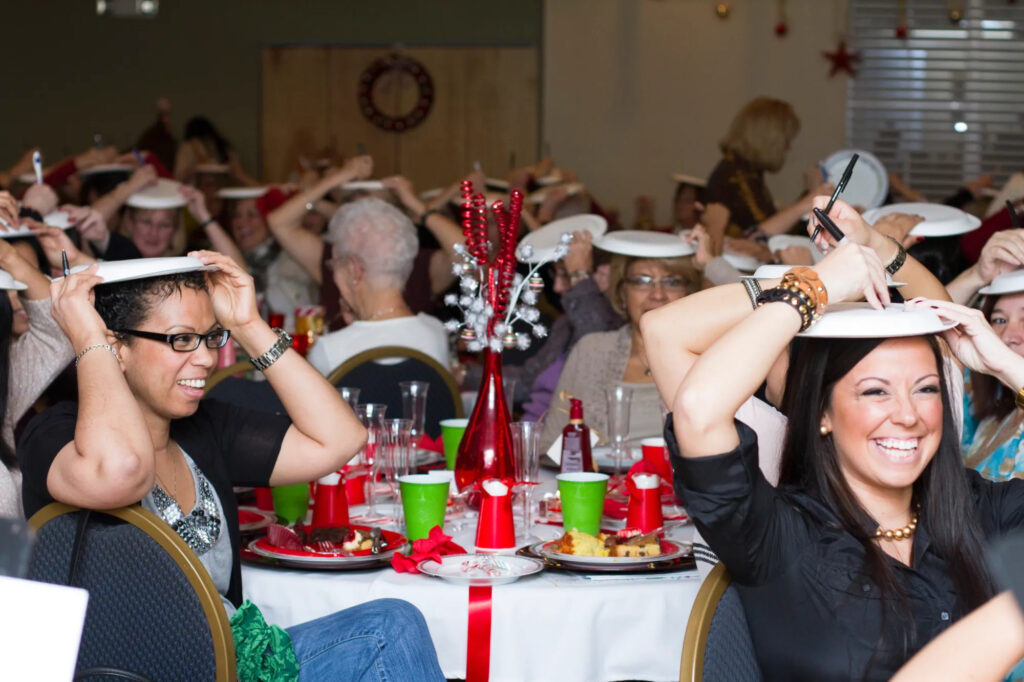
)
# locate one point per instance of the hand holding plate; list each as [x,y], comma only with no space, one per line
[72,305]
[851,272]
[232,291]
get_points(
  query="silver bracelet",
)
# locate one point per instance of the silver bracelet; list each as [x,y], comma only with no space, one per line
[94,347]
[753,290]
[273,354]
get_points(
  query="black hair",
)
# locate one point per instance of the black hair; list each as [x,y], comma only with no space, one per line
[6,321]
[810,463]
[201,128]
[125,305]
[100,184]
[941,256]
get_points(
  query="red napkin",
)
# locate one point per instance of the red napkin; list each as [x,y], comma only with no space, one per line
[428,443]
[435,546]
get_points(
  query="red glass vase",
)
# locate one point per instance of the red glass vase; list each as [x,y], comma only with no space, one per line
[486,448]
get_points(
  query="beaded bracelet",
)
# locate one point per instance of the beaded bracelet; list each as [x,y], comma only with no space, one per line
[794,297]
[807,280]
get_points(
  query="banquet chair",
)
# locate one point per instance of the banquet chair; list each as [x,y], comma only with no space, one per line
[223,385]
[153,613]
[378,382]
[717,645]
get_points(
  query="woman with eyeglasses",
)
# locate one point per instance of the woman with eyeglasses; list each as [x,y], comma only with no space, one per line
[141,432]
[600,360]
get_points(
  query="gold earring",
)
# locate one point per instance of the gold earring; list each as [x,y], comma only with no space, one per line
[824,430]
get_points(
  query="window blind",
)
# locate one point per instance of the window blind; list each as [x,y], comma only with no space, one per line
[946,103]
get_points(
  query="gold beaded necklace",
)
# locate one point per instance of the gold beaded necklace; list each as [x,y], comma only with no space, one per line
[904,533]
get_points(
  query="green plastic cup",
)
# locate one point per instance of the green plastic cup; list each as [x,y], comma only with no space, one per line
[451,435]
[291,502]
[582,496]
[424,501]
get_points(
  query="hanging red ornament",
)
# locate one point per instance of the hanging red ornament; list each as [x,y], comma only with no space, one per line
[842,60]
[901,19]
[781,28]
[901,31]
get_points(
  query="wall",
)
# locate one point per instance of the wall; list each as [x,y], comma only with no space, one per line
[69,73]
[637,89]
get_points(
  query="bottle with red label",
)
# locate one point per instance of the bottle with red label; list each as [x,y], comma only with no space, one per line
[576,441]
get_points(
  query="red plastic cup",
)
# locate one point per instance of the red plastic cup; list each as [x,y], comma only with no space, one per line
[300,342]
[330,505]
[276,320]
[495,529]
[644,510]
[355,485]
[655,453]
[264,499]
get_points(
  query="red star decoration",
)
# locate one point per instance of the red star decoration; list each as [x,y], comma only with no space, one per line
[842,60]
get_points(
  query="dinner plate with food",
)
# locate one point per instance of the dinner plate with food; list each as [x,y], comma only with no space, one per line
[628,547]
[343,547]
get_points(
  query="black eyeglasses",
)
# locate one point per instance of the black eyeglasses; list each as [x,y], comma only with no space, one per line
[185,342]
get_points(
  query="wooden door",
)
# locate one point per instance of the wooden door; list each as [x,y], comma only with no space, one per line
[486,109]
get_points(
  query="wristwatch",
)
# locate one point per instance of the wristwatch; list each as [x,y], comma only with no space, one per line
[283,343]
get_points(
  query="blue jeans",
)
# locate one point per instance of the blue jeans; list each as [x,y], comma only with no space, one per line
[385,639]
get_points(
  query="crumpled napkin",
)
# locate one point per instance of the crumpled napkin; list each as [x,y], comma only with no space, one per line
[262,652]
[428,443]
[434,546]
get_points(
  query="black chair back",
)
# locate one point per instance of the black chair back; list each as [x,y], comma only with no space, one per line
[146,619]
[729,652]
[255,395]
[378,383]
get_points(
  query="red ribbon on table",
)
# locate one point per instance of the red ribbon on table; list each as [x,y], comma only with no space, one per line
[478,639]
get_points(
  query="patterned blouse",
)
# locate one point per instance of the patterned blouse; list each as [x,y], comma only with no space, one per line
[993,445]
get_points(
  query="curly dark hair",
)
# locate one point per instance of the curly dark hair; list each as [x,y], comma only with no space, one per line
[124,305]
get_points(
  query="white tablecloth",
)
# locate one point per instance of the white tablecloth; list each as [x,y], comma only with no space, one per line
[552,626]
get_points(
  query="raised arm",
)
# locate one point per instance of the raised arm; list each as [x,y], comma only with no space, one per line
[218,236]
[285,222]
[1004,251]
[785,218]
[733,367]
[325,433]
[109,204]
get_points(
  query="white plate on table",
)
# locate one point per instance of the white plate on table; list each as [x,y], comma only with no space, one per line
[140,268]
[869,183]
[861,321]
[939,220]
[670,551]
[480,569]
[545,239]
[361,559]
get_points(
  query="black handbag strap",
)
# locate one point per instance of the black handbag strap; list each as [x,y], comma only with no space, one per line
[110,672]
[76,549]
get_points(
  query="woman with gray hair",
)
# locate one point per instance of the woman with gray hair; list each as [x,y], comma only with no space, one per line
[374,247]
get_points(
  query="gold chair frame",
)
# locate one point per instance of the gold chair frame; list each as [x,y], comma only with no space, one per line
[691,665]
[188,562]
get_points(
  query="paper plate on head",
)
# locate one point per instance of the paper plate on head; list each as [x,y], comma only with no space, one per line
[644,244]
[428,194]
[57,219]
[141,268]
[776,271]
[869,184]
[861,321]
[540,195]
[780,242]
[489,198]
[496,183]
[684,179]
[939,220]
[1007,283]
[7,281]
[544,240]
[552,178]
[363,186]
[163,194]
[27,178]
[742,262]
[242,192]
[213,168]
[107,168]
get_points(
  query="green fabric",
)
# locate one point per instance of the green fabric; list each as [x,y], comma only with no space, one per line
[263,653]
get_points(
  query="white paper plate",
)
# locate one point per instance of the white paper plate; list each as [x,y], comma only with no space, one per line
[939,220]
[242,192]
[489,199]
[552,178]
[741,262]
[861,321]
[1007,283]
[545,239]
[684,179]
[481,569]
[869,184]
[107,168]
[27,178]
[57,219]
[213,168]
[540,195]
[775,271]
[428,194]
[670,551]
[644,244]
[784,241]
[7,281]
[163,194]
[496,183]
[363,185]
[140,268]
[21,231]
